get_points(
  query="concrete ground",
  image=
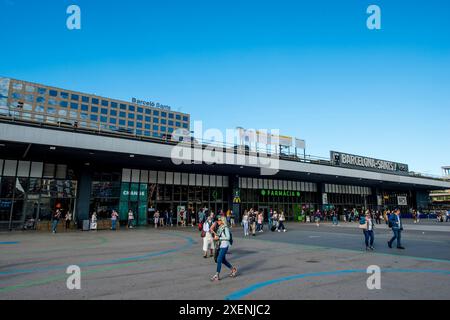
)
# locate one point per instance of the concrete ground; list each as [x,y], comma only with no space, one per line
[307,262]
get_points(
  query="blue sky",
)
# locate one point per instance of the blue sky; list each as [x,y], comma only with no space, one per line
[310,68]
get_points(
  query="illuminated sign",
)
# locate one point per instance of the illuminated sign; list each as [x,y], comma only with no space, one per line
[280,193]
[351,161]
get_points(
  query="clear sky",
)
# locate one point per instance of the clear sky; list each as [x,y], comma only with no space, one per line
[309,68]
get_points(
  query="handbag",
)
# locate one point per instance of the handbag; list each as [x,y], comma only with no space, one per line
[203,234]
[363,226]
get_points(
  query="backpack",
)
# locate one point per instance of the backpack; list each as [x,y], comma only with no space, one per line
[390,224]
[231,236]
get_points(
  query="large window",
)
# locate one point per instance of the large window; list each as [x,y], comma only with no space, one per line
[31,191]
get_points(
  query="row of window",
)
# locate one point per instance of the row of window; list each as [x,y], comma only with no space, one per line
[176,178]
[103,118]
[94,109]
[269,184]
[87,100]
[335,188]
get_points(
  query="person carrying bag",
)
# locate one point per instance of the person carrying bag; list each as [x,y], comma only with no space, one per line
[367,226]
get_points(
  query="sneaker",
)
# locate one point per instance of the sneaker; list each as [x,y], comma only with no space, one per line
[279,231]
[215,278]
[233,273]
[401,248]
[205,256]
[372,248]
[390,245]
[284,230]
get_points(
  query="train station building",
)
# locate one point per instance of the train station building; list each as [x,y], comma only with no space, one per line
[84,153]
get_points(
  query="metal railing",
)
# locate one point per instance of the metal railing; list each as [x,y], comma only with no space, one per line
[28,118]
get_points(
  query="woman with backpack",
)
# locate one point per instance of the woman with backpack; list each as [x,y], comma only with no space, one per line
[224,238]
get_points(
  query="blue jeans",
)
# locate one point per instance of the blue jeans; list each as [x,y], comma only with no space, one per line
[398,236]
[245,227]
[281,225]
[114,224]
[369,235]
[54,225]
[222,258]
[335,221]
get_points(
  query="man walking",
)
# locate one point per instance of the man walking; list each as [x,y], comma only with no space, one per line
[395,222]
[56,217]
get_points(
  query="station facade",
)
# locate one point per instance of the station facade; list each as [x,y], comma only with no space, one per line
[46,165]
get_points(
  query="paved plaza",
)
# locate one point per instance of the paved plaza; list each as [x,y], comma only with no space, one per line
[307,262]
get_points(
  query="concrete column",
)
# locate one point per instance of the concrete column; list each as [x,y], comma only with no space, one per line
[84,195]
[235,190]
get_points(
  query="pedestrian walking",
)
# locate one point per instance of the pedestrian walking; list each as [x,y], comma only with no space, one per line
[274,221]
[56,217]
[395,222]
[281,221]
[156,219]
[367,225]
[171,217]
[208,241]
[130,219]
[317,218]
[192,213]
[68,219]
[245,223]
[335,218]
[260,222]
[224,237]
[378,217]
[114,217]
[252,222]
[166,218]
[232,219]
[228,215]
[94,221]
[270,219]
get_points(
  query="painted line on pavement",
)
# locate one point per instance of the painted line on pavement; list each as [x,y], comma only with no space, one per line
[189,243]
[238,295]
[9,243]
[329,248]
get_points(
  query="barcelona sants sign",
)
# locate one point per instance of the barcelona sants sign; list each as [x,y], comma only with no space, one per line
[358,162]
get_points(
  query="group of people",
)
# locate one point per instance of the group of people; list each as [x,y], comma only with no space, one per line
[217,239]
[253,222]
[367,224]
[57,216]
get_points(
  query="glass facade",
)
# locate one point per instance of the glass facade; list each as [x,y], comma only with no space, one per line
[291,197]
[142,190]
[51,105]
[31,191]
